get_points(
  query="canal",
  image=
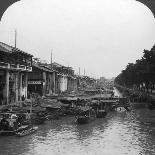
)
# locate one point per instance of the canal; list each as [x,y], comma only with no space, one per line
[120,133]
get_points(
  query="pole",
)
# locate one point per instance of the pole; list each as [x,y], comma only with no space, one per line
[79,70]
[51,59]
[15,38]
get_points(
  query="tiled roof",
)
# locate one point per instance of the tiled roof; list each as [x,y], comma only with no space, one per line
[41,67]
[10,49]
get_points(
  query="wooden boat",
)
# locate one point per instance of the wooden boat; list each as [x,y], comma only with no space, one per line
[82,119]
[26,131]
[9,124]
[13,132]
[7,132]
[38,120]
[85,116]
[101,114]
[151,105]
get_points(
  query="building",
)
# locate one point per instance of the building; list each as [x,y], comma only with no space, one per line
[85,82]
[14,67]
[67,81]
[46,79]
[41,80]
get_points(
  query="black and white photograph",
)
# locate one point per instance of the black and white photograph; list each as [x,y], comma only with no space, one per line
[77,77]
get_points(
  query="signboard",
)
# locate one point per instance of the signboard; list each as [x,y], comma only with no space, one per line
[34,82]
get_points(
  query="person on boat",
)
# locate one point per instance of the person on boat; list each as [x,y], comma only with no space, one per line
[12,119]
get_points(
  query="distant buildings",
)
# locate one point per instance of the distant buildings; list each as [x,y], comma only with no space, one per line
[20,76]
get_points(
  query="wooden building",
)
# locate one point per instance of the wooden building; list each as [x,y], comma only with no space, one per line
[47,79]
[67,81]
[14,67]
[41,80]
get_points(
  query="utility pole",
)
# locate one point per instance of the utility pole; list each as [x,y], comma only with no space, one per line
[51,59]
[15,38]
[79,70]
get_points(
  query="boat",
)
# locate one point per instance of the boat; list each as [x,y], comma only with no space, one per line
[101,114]
[26,131]
[38,120]
[151,104]
[11,131]
[10,123]
[86,115]
[101,110]
[82,119]
[7,132]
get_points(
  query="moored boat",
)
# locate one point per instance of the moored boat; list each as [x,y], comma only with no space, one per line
[101,110]
[86,115]
[101,114]
[82,119]
[11,122]
[26,131]
[7,132]
[38,120]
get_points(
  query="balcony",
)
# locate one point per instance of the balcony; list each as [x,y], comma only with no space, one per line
[19,67]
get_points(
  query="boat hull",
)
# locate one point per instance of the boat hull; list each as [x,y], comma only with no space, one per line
[82,120]
[26,132]
[38,120]
[101,114]
[7,133]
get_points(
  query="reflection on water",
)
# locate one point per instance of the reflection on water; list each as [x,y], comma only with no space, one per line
[120,132]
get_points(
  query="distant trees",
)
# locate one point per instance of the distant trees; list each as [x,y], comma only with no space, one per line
[139,75]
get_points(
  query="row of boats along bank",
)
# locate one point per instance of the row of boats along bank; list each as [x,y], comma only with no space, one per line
[23,119]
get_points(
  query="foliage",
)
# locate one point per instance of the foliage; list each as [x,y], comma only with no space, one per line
[141,74]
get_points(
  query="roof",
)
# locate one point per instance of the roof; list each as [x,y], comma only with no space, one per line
[10,49]
[42,67]
[57,65]
[84,108]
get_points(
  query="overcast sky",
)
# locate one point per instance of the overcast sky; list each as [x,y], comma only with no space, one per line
[102,36]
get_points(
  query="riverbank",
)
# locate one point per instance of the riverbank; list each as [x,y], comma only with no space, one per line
[136,95]
[136,99]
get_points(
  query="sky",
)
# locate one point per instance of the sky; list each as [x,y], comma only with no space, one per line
[98,36]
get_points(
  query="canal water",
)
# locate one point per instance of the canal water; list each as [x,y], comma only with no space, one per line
[119,133]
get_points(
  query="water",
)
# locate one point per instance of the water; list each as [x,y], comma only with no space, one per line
[120,133]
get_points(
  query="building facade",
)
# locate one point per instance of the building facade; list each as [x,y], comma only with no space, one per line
[14,67]
[47,79]
[41,80]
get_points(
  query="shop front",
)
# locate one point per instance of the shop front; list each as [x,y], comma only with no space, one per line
[35,86]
